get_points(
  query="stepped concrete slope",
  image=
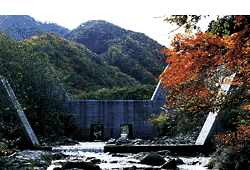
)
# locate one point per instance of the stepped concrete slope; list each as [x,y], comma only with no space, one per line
[10,105]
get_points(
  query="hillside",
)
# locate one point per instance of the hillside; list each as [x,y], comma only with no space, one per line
[23,27]
[133,53]
[96,55]
[84,70]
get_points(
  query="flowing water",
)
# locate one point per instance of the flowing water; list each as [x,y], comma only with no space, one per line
[96,149]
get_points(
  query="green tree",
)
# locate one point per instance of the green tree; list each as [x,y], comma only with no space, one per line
[33,83]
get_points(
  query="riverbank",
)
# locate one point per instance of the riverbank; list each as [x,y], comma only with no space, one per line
[91,156]
[62,157]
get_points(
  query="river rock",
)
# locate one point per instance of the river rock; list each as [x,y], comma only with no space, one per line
[131,168]
[173,140]
[179,161]
[172,164]
[137,141]
[80,164]
[111,141]
[123,139]
[24,159]
[153,158]
[95,161]
[118,155]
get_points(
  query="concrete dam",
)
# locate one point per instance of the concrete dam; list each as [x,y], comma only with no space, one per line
[105,119]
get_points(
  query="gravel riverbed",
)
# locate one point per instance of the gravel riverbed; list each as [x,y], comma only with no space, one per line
[93,156]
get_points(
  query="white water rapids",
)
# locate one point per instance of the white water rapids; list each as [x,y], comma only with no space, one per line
[109,162]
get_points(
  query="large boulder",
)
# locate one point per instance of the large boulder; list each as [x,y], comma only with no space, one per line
[80,164]
[153,158]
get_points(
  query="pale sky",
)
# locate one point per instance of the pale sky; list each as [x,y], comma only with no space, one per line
[135,15]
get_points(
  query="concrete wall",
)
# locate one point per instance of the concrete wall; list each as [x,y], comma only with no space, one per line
[112,113]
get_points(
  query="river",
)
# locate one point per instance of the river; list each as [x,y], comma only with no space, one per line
[89,150]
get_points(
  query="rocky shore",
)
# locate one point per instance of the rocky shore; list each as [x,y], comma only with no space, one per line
[166,140]
[90,155]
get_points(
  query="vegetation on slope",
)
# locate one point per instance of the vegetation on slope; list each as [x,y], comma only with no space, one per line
[84,70]
[25,70]
[109,56]
[138,92]
[133,53]
[194,77]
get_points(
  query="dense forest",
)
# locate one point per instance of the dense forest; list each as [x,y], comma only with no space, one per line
[94,56]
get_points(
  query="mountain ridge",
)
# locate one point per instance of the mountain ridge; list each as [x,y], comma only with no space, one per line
[101,46]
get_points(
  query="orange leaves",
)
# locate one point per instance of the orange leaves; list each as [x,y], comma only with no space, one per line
[239,20]
[203,93]
[247,107]
[184,58]
[239,138]
[197,58]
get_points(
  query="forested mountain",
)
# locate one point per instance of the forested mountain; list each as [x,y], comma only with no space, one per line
[23,27]
[95,60]
[84,69]
[133,53]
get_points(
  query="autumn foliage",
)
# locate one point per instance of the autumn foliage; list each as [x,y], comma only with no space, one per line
[191,57]
[197,65]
